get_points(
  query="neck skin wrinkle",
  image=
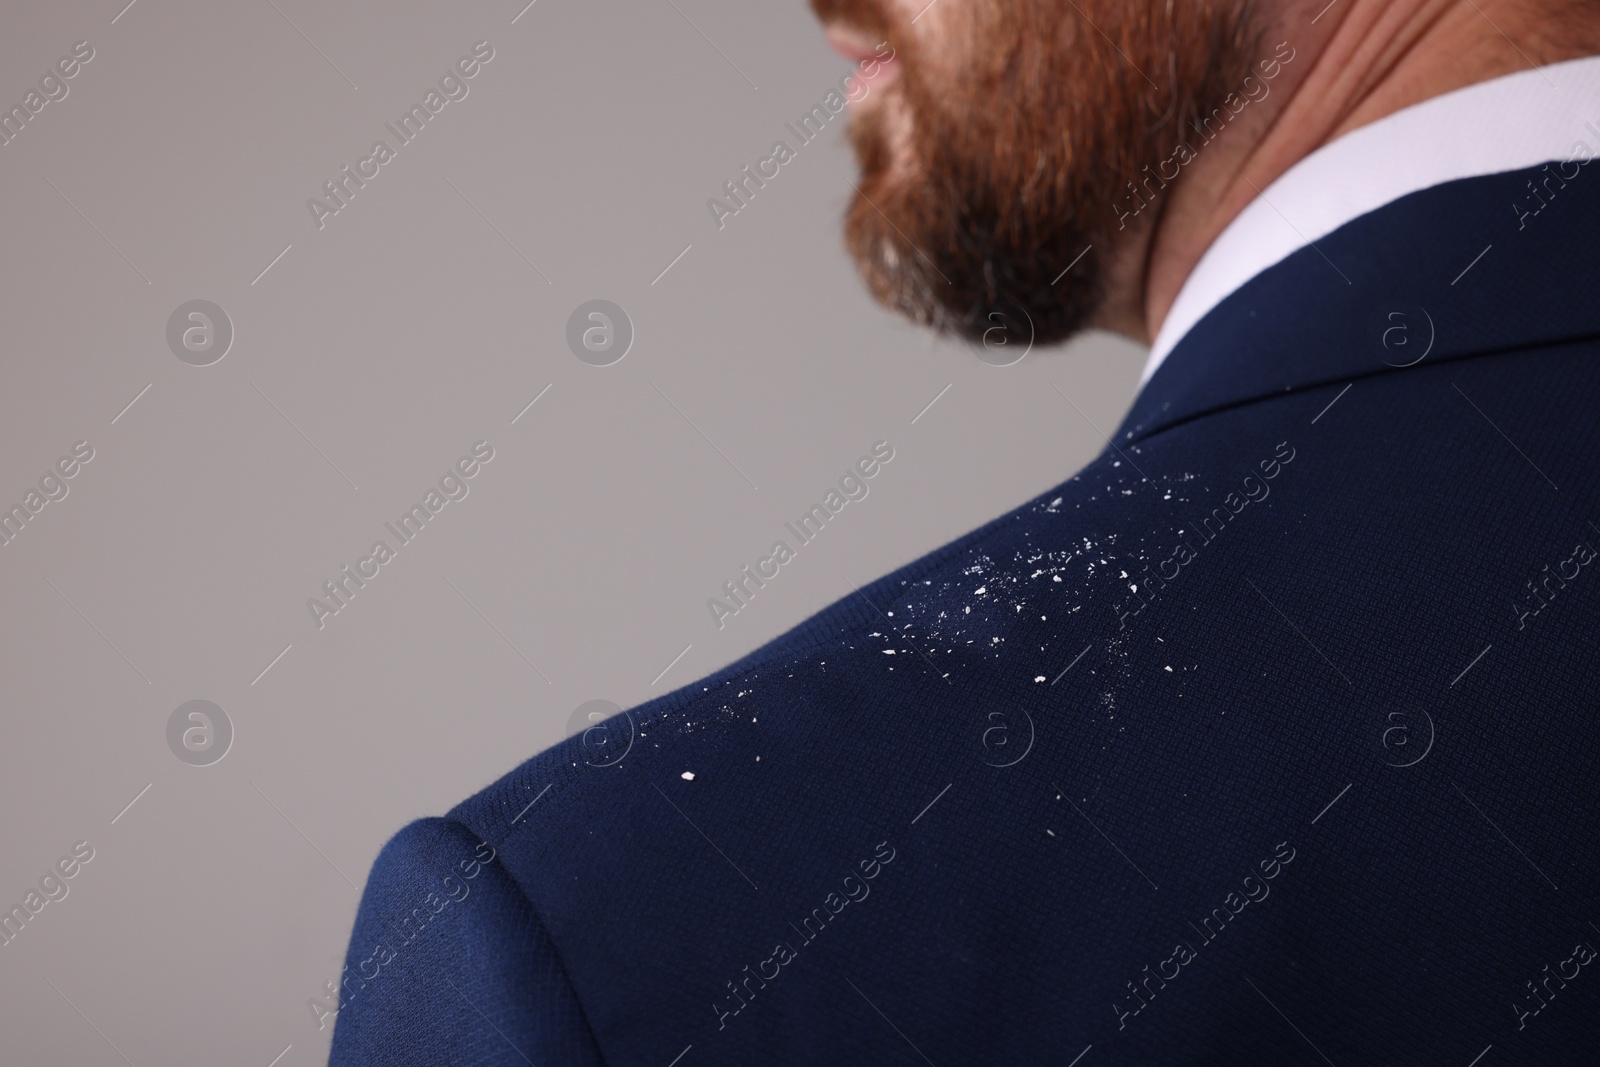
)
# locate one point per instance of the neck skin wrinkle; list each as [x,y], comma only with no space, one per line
[1356,61]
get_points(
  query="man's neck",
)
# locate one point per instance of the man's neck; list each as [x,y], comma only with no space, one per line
[1356,61]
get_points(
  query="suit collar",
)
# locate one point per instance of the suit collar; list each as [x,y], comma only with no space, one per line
[1509,123]
[1501,262]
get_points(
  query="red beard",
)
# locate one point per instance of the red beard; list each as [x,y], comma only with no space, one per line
[1003,152]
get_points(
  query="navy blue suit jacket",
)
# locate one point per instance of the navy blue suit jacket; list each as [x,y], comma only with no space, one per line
[1267,738]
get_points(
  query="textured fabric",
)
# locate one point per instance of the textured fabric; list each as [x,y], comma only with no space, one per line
[1251,743]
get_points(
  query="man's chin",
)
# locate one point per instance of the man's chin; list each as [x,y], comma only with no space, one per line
[993,165]
[923,260]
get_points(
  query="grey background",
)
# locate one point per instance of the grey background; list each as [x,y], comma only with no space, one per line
[370,356]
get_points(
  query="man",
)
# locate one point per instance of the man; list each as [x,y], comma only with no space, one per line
[1267,738]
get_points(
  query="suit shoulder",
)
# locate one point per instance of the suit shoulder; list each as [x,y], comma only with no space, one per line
[442,934]
[939,618]
[420,850]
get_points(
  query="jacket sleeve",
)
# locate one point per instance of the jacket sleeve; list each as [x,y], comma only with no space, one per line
[449,963]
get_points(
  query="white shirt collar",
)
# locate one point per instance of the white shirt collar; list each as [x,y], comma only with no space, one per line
[1509,123]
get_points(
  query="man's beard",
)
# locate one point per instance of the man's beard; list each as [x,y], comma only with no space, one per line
[1007,145]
